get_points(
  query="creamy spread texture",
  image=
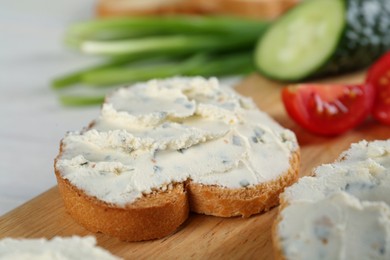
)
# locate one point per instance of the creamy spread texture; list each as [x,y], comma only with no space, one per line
[344,211]
[58,248]
[153,134]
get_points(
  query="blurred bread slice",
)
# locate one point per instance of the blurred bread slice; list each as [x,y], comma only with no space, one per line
[57,248]
[257,9]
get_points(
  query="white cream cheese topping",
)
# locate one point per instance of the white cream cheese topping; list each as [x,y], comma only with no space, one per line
[58,248]
[153,134]
[343,212]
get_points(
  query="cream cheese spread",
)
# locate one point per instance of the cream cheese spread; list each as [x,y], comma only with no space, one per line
[153,134]
[343,212]
[57,248]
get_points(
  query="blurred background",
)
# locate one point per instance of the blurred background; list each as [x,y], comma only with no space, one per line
[32,53]
[59,58]
[32,119]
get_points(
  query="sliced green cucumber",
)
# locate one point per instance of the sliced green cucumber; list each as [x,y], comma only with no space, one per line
[324,37]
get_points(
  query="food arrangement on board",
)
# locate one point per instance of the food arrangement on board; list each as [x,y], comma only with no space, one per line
[171,139]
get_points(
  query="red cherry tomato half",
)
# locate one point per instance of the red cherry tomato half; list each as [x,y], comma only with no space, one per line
[328,109]
[379,76]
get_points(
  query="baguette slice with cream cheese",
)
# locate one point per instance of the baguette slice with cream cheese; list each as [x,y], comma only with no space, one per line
[343,212]
[162,148]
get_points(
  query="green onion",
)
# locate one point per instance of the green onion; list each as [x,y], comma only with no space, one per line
[168,44]
[187,45]
[115,62]
[198,65]
[120,28]
[75,77]
[134,73]
[233,64]
[72,100]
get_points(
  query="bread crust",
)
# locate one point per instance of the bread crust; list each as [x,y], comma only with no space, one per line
[150,217]
[258,9]
[224,202]
[159,214]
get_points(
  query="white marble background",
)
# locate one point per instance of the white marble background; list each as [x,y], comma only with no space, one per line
[31,119]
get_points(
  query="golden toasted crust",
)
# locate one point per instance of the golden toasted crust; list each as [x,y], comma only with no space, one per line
[159,214]
[224,202]
[151,217]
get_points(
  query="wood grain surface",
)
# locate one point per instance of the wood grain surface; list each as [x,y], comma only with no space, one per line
[201,237]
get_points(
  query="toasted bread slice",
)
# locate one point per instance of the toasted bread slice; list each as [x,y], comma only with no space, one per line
[222,202]
[198,147]
[159,214]
[243,8]
[153,216]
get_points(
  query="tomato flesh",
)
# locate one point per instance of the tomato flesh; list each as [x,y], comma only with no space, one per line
[328,109]
[379,76]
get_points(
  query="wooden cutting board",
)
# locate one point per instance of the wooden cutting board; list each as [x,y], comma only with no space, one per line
[201,236]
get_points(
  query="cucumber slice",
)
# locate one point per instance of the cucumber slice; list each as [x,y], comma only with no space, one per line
[324,37]
[300,41]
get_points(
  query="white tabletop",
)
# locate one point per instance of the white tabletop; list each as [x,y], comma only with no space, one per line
[32,121]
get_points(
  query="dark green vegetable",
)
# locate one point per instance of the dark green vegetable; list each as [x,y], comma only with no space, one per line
[234,64]
[135,27]
[199,64]
[114,62]
[188,46]
[324,37]
[172,44]
[135,72]
[75,77]
[72,100]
